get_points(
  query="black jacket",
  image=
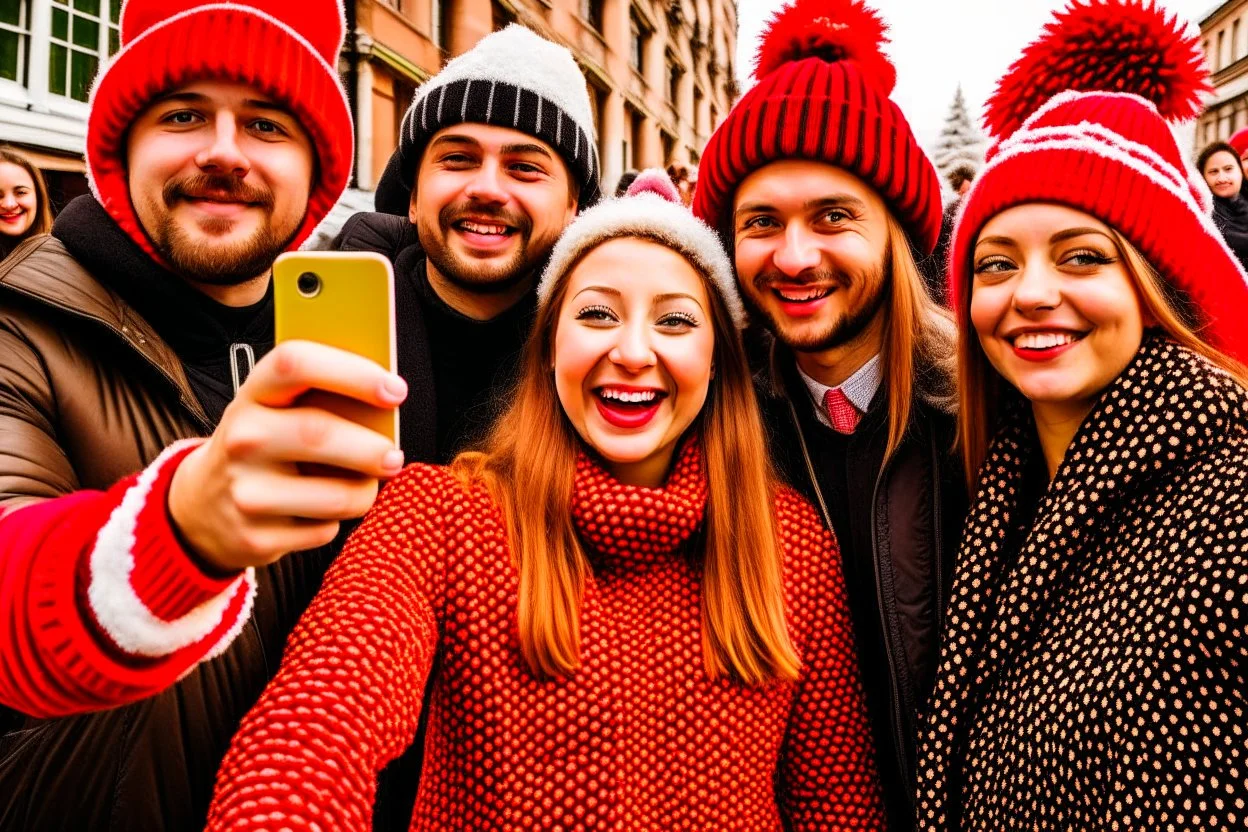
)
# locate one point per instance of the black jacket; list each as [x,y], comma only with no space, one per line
[1231,218]
[897,525]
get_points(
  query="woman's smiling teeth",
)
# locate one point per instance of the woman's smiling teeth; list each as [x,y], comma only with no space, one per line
[1044,340]
[630,396]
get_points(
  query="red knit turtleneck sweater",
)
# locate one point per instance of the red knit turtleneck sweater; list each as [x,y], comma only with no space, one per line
[638,738]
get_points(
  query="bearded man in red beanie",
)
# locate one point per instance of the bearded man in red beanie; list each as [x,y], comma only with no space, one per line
[824,197]
[218,137]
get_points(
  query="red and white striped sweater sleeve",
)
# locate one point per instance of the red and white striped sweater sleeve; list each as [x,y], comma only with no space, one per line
[100,605]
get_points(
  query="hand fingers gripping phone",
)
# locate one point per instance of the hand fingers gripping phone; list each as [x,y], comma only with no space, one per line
[344,300]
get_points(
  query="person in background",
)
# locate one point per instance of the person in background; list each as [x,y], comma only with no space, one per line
[634,627]
[626,181]
[685,178]
[25,210]
[1219,165]
[960,180]
[1092,665]
[857,381]
[1239,141]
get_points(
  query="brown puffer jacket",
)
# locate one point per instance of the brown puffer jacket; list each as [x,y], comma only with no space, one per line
[88,395]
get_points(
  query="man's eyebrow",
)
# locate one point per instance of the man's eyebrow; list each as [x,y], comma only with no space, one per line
[526,148]
[266,104]
[456,139]
[200,98]
[833,201]
[836,201]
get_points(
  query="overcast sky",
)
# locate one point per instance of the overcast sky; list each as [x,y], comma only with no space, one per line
[937,44]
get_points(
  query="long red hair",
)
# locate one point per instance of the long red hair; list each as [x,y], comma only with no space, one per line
[529,460]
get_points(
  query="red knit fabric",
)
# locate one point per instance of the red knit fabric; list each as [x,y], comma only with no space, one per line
[56,656]
[287,49]
[637,738]
[829,109]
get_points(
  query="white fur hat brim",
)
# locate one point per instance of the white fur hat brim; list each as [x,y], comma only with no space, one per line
[651,217]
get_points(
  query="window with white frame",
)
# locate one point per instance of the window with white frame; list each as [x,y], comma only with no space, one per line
[14,39]
[83,33]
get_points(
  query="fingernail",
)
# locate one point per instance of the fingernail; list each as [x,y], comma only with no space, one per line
[395,387]
[393,460]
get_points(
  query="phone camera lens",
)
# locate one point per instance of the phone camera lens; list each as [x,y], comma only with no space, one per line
[309,284]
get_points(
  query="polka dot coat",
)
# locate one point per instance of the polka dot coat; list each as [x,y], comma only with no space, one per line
[638,738]
[1092,669]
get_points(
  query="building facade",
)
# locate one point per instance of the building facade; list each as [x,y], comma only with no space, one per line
[1224,37]
[661,72]
[50,51]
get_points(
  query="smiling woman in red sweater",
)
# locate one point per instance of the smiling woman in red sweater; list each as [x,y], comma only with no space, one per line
[624,622]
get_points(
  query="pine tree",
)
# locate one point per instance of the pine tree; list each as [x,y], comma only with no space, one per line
[960,141]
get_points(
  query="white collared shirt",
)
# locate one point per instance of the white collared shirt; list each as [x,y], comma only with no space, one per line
[860,388]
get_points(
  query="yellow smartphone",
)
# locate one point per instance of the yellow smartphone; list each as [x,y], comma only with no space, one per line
[342,299]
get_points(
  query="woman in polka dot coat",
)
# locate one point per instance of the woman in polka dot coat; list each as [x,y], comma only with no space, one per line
[1092,665]
[622,622]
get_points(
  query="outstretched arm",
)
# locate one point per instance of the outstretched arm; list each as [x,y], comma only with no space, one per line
[347,698]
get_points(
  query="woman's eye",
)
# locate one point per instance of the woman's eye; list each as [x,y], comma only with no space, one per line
[836,216]
[758,222]
[993,266]
[678,320]
[595,313]
[1088,258]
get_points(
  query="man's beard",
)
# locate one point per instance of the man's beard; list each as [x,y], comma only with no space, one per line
[851,324]
[478,278]
[217,263]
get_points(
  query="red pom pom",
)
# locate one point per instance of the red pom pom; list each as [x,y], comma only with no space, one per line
[834,30]
[1107,46]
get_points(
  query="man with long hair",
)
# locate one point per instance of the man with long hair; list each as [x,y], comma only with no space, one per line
[823,196]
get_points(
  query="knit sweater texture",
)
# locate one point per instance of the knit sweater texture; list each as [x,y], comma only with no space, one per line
[639,737]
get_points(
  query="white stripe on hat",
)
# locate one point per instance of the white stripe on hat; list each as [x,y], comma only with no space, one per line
[1082,140]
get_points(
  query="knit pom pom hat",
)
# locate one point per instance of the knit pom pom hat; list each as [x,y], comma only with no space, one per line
[651,210]
[287,49]
[512,78]
[1081,120]
[1239,141]
[823,94]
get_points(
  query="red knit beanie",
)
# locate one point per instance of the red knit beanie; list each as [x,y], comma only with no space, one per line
[1239,141]
[1080,120]
[288,49]
[823,94]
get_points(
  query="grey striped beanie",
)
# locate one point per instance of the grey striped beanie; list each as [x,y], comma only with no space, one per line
[512,78]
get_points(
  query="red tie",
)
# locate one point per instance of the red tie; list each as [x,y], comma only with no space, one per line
[841,411]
